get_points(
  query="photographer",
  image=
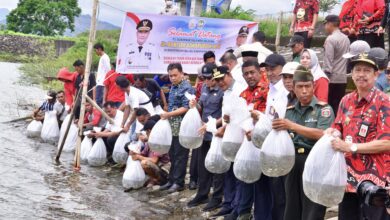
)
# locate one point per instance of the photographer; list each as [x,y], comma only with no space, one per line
[364,122]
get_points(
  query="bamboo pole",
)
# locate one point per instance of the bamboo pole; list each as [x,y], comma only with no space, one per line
[91,40]
[278,32]
[68,127]
[104,114]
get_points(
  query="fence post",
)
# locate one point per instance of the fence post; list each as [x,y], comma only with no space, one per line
[278,32]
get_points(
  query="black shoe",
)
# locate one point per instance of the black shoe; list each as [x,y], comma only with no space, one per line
[165,186]
[231,216]
[212,205]
[224,211]
[192,185]
[175,188]
[197,201]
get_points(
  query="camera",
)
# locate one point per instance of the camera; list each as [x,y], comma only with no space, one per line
[373,195]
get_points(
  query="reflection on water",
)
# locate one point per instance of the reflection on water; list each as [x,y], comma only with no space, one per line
[33,186]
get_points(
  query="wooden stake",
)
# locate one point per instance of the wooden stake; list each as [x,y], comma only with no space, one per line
[278,32]
[68,127]
[91,40]
[104,114]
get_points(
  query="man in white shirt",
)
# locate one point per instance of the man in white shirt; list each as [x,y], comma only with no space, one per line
[230,88]
[256,45]
[111,131]
[230,60]
[134,99]
[276,107]
[103,68]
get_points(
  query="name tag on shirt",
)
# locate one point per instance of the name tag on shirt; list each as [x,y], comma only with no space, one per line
[310,120]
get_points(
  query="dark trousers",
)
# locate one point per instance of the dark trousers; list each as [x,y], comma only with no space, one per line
[231,194]
[305,35]
[110,144]
[352,38]
[298,206]
[207,179]
[194,165]
[179,158]
[373,39]
[99,95]
[260,195]
[279,197]
[351,209]
[336,93]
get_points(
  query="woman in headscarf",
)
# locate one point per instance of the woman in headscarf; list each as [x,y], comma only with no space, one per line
[309,60]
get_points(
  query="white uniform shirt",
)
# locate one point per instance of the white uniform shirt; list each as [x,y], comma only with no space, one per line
[117,122]
[277,100]
[103,68]
[235,90]
[237,75]
[257,46]
[140,57]
[135,99]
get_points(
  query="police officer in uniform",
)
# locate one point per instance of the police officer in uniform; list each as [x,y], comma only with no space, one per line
[141,54]
[305,121]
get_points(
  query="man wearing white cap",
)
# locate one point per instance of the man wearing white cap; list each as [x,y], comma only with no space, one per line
[288,74]
[355,49]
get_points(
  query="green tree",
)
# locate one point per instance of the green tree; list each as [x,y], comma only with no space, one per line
[327,5]
[236,13]
[43,17]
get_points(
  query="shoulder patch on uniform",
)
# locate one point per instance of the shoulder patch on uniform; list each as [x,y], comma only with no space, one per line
[326,112]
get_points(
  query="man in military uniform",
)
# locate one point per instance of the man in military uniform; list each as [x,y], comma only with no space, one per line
[305,121]
[142,53]
[241,39]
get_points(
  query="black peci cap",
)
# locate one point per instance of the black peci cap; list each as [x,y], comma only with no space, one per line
[207,69]
[332,19]
[244,30]
[145,25]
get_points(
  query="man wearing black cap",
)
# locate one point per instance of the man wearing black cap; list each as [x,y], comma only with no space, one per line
[297,44]
[335,66]
[363,119]
[210,104]
[155,165]
[141,54]
[305,121]
[277,96]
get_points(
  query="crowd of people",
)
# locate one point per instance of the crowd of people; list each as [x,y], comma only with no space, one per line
[312,96]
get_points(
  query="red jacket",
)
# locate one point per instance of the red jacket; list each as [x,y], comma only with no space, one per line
[114,94]
[374,10]
[69,89]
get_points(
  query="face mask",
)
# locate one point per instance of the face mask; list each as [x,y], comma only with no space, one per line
[169,3]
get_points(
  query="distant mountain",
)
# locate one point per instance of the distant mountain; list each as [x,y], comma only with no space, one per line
[3,15]
[83,23]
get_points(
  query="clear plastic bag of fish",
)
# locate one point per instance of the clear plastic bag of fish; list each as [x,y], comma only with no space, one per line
[247,166]
[119,155]
[161,137]
[50,131]
[134,176]
[188,135]
[86,146]
[98,154]
[71,139]
[231,142]
[262,128]
[215,162]
[277,151]
[34,129]
[325,174]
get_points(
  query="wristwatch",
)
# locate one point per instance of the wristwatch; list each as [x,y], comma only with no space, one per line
[354,148]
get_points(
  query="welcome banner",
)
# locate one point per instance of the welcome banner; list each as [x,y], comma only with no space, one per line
[149,42]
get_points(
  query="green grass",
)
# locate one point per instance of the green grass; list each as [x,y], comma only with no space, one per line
[270,26]
[36,72]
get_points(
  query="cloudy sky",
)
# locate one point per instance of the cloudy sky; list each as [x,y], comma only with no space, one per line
[115,16]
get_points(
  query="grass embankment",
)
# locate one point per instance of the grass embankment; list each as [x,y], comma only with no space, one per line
[37,72]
